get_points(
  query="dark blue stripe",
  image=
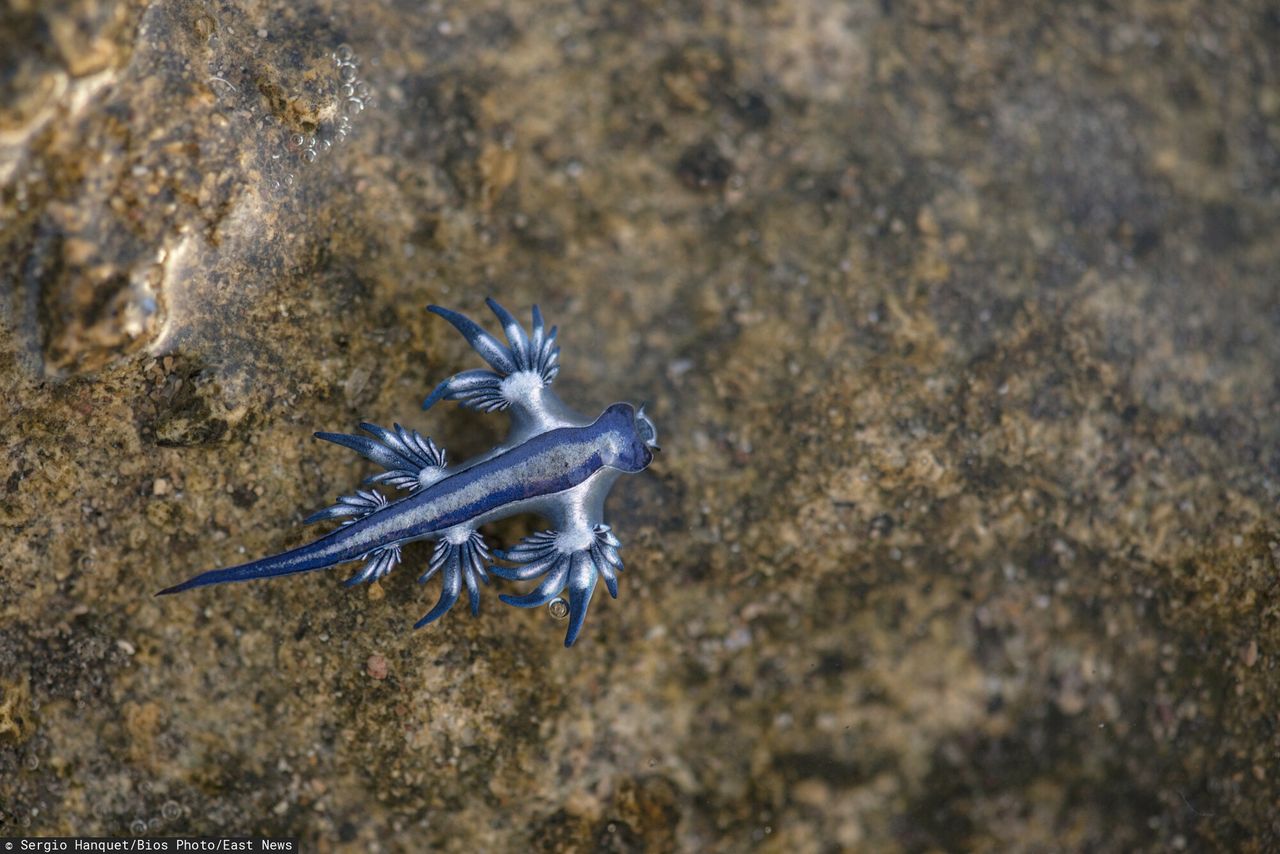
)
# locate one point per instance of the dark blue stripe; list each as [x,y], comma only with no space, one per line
[350,541]
[333,548]
[521,487]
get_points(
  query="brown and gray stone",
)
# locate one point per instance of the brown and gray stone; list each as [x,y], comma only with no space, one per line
[958,322]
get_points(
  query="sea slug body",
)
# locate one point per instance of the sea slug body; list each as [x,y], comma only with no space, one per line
[554,463]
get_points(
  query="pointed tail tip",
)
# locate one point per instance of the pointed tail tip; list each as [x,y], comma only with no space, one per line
[177,588]
[428,619]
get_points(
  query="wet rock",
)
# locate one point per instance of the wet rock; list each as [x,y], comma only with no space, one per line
[958,324]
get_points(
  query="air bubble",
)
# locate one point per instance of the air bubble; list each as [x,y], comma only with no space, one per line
[353,106]
[558,608]
[347,90]
[344,53]
[347,73]
[137,827]
[362,89]
[308,155]
[296,140]
[171,810]
[340,135]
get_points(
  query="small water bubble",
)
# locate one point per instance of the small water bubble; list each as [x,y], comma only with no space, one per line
[308,155]
[558,608]
[353,106]
[347,90]
[344,53]
[32,762]
[155,824]
[137,827]
[326,144]
[362,89]
[296,140]
[370,102]
[340,135]
[347,73]
[310,142]
[171,810]
[288,180]
[344,122]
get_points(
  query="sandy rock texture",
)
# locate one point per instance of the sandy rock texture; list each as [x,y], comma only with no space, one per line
[958,321]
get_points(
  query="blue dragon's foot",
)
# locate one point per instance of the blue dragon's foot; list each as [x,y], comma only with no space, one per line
[378,562]
[460,558]
[573,560]
[531,361]
[411,461]
[356,506]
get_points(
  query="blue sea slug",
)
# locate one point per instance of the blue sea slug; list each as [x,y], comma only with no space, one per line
[554,463]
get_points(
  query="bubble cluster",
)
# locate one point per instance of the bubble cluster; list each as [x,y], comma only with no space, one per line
[352,96]
[296,107]
[343,98]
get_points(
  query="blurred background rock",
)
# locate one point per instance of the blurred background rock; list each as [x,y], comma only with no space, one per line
[958,321]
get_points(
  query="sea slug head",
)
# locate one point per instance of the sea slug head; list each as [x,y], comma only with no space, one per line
[630,438]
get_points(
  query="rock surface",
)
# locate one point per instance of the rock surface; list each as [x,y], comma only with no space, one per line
[958,322]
